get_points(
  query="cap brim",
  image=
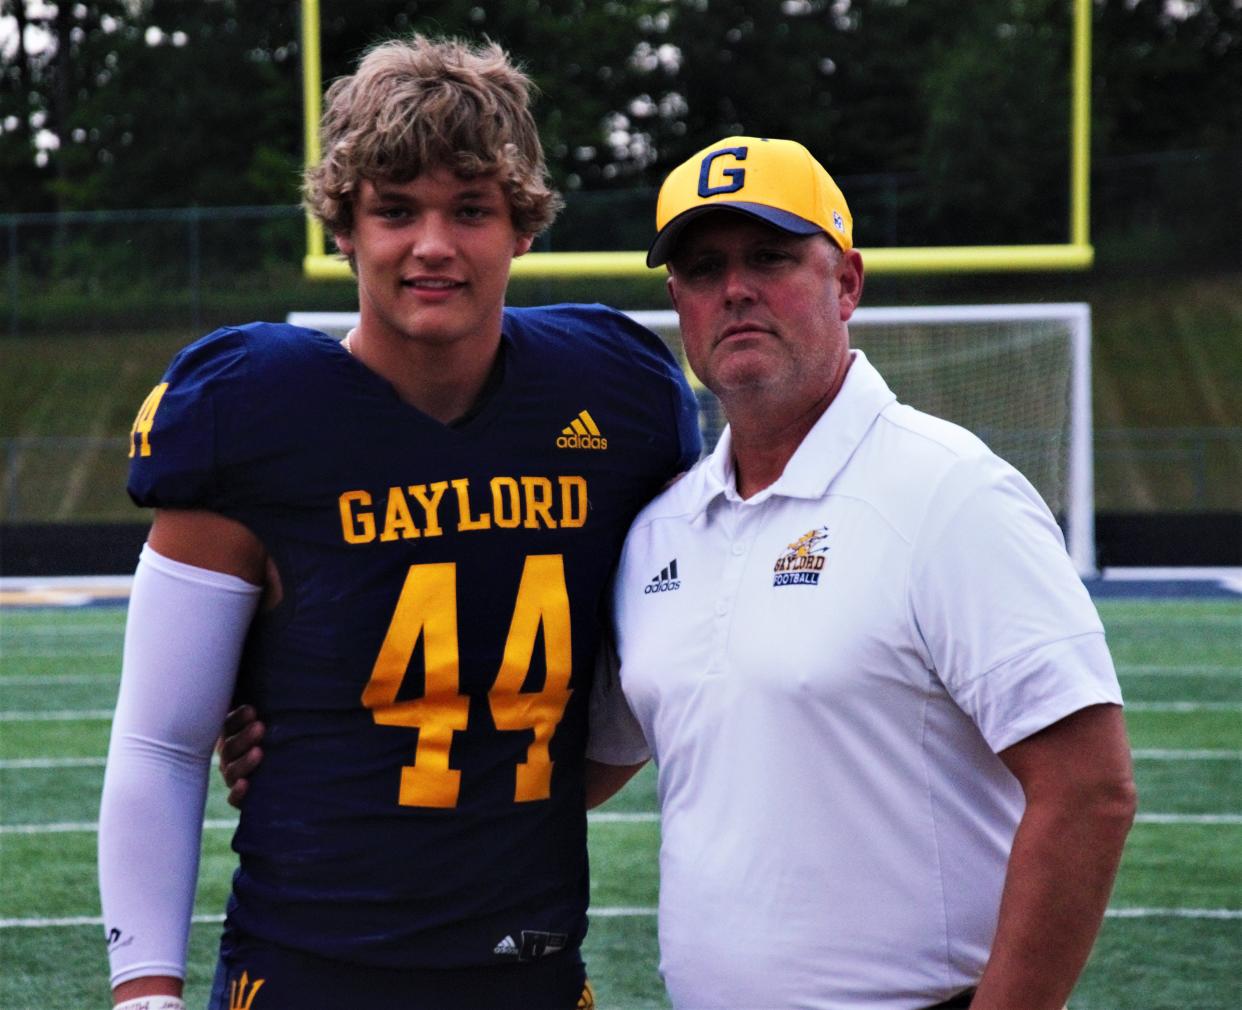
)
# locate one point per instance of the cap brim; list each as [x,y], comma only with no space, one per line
[661,250]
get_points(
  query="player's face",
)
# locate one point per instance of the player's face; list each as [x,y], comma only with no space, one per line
[432,257]
[763,310]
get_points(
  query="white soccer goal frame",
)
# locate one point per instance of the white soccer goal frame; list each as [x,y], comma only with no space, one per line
[1079,515]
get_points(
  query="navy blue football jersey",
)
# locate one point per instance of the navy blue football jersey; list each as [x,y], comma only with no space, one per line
[425,677]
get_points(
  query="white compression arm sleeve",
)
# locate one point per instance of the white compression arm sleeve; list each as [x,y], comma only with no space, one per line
[183,639]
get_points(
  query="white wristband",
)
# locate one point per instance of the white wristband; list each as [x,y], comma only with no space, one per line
[152,1003]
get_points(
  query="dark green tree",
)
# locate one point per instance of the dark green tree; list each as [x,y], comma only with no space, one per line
[44,87]
[1167,78]
[580,54]
[950,120]
[996,151]
[200,108]
[1168,100]
[155,104]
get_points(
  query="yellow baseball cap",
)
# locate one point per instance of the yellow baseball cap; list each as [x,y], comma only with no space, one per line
[777,181]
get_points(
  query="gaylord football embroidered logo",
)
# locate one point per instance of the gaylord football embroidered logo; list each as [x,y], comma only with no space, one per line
[803,560]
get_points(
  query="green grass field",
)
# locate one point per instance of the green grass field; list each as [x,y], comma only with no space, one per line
[1172,939]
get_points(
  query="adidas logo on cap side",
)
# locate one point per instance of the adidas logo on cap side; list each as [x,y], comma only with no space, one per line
[506,946]
[581,433]
[666,582]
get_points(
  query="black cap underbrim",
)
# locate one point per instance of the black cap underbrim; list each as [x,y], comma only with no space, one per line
[661,250]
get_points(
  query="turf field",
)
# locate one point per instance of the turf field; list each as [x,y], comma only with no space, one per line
[1173,938]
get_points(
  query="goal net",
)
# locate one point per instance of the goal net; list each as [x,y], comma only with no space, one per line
[1018,376]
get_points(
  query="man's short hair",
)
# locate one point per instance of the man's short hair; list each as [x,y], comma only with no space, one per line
[417,104]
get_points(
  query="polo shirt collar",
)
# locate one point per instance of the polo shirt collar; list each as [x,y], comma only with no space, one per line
[824,451]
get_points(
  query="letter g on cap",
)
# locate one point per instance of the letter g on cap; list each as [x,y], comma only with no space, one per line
[736,176]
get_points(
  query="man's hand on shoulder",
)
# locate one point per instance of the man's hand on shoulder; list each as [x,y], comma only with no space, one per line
[239,751]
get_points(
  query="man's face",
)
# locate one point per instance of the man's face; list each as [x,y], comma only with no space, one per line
[432,256]
[763,310]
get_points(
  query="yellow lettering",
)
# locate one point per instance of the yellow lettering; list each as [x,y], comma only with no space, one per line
[542,602]
[431,506]
[356,526]
[528,502]
[573,501]
[426,608]
[397,518]
[145,421]
[538,502]
[503,487]
[465,521]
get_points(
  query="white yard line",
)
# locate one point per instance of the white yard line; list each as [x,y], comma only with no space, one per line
[1157,670]
[38,680]
[1182,621]
[1225,574]
[39,763]
[62,631]
[94,714]
[22,764]
[1188,819]
[1184,706]
[60,679]
[90,827]
[622,912]
[226,824]
[642,817]
[647,911]
[81,920]
[607,817]
[1174,913]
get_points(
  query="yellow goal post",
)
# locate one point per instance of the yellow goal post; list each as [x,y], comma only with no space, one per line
[1076,253]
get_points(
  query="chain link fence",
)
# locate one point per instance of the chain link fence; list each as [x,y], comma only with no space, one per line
[128,274]
[201,266]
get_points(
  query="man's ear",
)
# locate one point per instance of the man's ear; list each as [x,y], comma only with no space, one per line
[523,244]
[671,287]
[344,243]
[850,279]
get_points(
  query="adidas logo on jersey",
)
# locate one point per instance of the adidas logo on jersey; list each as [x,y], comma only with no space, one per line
[506,946]
[666,581]
[581,433]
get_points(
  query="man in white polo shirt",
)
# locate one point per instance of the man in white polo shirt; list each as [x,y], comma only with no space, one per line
[893,770]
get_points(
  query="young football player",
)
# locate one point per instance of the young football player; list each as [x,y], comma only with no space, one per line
[397,547]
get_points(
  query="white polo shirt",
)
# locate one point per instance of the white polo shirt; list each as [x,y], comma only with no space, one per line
[824,674]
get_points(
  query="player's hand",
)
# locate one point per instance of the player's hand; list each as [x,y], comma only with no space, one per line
[239,750]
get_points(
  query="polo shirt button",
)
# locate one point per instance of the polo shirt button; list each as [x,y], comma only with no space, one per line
[739,548]
[722,607]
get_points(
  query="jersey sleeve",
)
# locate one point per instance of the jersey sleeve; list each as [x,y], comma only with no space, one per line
[176,441]
[1008,625]
[651,354]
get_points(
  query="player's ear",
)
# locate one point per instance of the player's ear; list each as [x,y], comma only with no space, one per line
[522,246]
[343,242]
[671,287]
[850,280]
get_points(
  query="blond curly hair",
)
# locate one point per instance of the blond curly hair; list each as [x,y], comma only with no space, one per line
[417,104]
